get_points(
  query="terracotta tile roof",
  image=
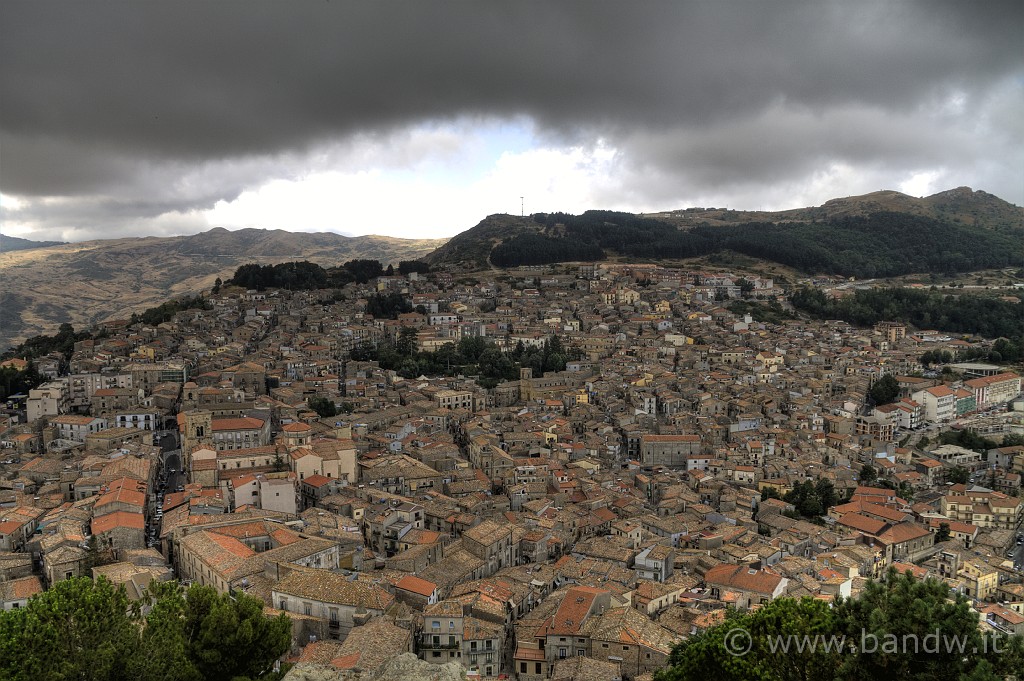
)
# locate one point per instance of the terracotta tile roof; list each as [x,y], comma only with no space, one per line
[126,519]
[126,491]
[416,585]
[242,423]
[903,532]
[19,589]
[328,587]
[572,612]
[742,578]
[862,523]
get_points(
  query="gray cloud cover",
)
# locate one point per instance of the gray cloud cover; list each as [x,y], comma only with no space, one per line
[113,114]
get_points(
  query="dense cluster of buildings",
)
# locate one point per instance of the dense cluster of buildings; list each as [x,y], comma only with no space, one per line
[570,525]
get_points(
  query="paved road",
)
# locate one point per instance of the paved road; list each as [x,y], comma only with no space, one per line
[1018,556]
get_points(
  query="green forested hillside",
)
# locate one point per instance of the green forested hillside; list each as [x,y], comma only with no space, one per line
[880,244]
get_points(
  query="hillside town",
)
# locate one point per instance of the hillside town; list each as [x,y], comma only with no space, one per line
[567,524]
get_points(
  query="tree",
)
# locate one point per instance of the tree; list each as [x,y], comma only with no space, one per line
[826,493]
[216,285]
[868,474]
[885,390]
[409,266]
[363,269]
[163,651]
[77,629]
[739,648]
[406,345]
[387,306]
[324,407]
[14,381]
[85,629]
[1012,440]
[905,491]
[902,628]
[228,635]
[812,499]
[943,533]
[959,475]
[905,606]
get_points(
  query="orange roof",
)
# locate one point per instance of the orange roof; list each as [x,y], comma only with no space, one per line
[105,523]
[416,585]
[232,546]
[574,608]
[126,491]
[903,532]
[743,578]
[349,661]
[25,587]
[242,423]
[862,523]
[296,427]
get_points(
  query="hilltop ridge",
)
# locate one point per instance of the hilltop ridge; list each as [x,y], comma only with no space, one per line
[878,234]
[111,277]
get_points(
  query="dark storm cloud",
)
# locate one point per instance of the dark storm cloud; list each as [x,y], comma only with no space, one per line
[120,99]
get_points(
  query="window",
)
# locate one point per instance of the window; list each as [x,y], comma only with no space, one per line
[561,653]
[537,667]
[307,608]
[522,668]
[284,604]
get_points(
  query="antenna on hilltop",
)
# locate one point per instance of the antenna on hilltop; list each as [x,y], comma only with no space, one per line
[522,211]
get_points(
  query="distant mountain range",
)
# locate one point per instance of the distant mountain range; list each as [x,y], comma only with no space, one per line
[14,243]
[43,286]
[880,234]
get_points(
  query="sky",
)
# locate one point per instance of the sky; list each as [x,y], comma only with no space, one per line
[419,118]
